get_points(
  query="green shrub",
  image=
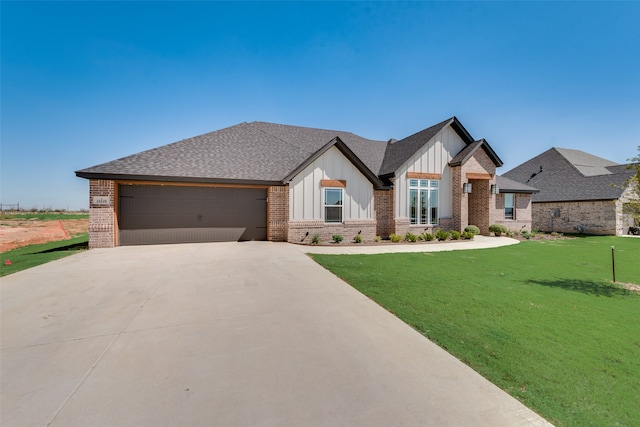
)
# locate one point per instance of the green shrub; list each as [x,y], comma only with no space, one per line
[410,237]
[442,235]
[468,235]
[337,238]
[426,236]
[315,239]
[498,229]
[455,235]
[377,239]
[357,238]
[395,238]
[526,234]
[472,229]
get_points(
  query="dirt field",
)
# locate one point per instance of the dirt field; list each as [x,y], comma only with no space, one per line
[15,233]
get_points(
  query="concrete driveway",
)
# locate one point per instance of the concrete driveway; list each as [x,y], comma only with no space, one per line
[224,334]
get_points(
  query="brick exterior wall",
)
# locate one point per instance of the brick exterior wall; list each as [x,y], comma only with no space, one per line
[278,213]
[522,220]
[477,207]
[594,217]
[303,231]
[480,204]
[102,216]
[383,206]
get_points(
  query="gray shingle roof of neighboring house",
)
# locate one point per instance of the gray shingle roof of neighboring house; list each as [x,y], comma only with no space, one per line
[260,152]
[507,185]
[571,175]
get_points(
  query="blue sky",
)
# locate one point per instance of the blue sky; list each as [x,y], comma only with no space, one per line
[83,83]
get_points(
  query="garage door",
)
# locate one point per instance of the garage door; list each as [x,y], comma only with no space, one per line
[153,214]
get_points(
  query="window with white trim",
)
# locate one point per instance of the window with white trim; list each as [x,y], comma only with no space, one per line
[333,204]
[423,201]
[509,206]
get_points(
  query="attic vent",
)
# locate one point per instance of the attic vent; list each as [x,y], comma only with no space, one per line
[533,175]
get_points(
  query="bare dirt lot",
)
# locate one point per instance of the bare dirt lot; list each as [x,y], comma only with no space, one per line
[15,233]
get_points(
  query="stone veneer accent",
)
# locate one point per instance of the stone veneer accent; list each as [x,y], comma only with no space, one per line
[102,217]
[278,213]
[596,217]
[303,231]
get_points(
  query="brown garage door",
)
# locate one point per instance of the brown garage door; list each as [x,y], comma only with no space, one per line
[154,214]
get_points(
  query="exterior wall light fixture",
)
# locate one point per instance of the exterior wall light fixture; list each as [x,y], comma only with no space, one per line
[466,187]
[495,189]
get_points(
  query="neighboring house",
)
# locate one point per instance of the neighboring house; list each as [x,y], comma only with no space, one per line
[265,181]
[579,192]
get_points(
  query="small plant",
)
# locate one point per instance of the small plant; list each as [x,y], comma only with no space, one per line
[472,229]
[337,238]
[377,239]
[526,234]
[455,235]
[427,237]
[357,238]
[410,237]
[395,238]
[442,235]
[315,239]
[498,229]
[468,235]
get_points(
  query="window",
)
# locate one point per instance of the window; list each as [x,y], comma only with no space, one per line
[423,201]
[509,211]
[333,205]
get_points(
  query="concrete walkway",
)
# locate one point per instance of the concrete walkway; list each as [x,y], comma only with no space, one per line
[222,334]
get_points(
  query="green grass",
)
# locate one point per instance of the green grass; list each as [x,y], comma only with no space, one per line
[541,319]
[30,256]
[43,216]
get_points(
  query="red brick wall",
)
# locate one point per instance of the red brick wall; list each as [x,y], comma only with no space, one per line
[278,213]
[383,205]
[102,216]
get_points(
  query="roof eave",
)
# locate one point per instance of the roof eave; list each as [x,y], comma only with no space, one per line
[181,179]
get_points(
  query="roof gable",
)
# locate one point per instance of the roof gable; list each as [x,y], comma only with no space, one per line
[467,152]
[346,151]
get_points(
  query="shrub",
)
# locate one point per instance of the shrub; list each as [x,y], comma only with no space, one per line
[427,237]
[377,239]
[468,235]
[526,234]
[442,235]
[472,229]
[410,237]
[395,238]
[357,238]
[498,229]
[455,235]
[315,239]
[337,238]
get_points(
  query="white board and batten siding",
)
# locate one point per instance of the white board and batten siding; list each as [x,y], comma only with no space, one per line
[433,157]
[306,195]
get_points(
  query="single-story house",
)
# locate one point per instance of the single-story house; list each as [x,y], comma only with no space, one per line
[266,181]
[579,192]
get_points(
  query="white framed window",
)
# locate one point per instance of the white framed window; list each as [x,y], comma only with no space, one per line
[333,201]
[509,206]
[423,201]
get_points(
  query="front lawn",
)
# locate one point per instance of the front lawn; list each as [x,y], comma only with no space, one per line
[30,256]
[540,319]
